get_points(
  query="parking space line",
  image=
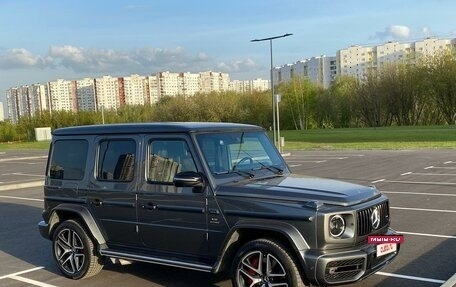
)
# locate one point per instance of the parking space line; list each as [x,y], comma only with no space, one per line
[447,162]
[425,173]
[440,167]
[22,158]
[312,161]
[427,234]
[418,193]
[418,182]
[423,209]
[21,198]
[379,180]
[25,174]
[21,272]
[411,277]
[30,281]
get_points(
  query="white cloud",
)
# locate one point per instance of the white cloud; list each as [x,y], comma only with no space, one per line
[426,31]
[237,66]
[20,58]
[94,61]
[395,32]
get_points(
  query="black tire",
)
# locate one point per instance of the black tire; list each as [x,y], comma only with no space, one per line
[74,251]
[283,268]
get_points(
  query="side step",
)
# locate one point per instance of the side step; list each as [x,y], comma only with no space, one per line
[155,260]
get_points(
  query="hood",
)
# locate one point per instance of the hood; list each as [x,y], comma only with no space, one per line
[301,189]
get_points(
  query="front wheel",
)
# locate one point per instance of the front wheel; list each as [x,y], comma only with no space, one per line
[263,262]
[74,251]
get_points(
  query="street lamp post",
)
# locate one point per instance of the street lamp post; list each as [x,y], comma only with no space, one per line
[276,140]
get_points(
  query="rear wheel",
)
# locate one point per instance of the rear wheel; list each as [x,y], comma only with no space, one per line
[74,251]
[265,263]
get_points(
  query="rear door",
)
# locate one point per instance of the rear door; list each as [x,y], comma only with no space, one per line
[111,192]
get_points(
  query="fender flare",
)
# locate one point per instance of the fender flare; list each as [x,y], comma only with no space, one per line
[290,232]
[85,216]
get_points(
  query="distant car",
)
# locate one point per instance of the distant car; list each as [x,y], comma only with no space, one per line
[213,197]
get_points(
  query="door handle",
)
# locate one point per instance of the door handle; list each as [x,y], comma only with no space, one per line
[214,211]
[97,202]
[149,206]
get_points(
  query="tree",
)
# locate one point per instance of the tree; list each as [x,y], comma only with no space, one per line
[443,74]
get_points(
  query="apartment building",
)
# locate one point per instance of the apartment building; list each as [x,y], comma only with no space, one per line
[63,95]
[214,82]
[258,85]
[108,94]
[2,112]
[358,60]
[85,94]
[320,70]
[136,90]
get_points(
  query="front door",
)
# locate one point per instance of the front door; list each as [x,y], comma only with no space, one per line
[171,219]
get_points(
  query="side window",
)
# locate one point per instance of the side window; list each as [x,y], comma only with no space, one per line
[167,158]
[68,159]
[116,160]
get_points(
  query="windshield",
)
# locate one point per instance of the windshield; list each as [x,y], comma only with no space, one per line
[240,153]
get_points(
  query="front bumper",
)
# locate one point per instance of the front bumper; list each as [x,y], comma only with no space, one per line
[345,266]
[43,227]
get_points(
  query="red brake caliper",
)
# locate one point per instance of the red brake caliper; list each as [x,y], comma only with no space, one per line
[253,263]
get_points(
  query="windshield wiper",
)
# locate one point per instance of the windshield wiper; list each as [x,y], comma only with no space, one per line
[272,168]
[237,171]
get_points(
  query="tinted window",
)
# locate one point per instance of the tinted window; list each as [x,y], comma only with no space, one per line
[168,157]
[68,159]
[116,160]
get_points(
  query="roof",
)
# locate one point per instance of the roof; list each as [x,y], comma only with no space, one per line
[164,127]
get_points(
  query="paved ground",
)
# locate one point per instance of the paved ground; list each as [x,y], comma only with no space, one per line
[421,186]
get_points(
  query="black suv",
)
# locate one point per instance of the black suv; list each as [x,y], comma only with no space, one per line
[213,197]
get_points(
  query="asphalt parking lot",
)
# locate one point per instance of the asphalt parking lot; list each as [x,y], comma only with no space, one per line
[421,186]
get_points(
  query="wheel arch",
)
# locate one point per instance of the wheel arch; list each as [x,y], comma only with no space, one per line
[65,211]
[246,231]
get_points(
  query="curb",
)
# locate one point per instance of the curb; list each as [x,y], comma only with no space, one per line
[450,282]
[21,185]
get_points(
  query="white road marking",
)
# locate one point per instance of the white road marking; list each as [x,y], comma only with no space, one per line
[420,182]
[30,281]
[450,282]
[20,198]
[426,173]
[427,234]
[21,272]
[294,165]
[22,158]
[428,167]
[379,180]
[424,209]
[418,193]
[313,161]
[447,162]
[411,277]
[441,167]
[21,185]
[25,174]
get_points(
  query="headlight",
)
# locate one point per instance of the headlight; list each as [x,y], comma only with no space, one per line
[336,225]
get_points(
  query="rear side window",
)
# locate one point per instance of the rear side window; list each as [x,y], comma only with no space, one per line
[68,160]
[116,160]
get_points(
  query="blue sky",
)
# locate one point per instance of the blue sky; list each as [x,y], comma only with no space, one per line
[45,40]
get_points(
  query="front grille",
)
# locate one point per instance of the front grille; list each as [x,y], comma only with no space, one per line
[364,218]
[344,270]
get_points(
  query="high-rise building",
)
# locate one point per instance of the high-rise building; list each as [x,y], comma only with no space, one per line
[85,93]
[320,70]
[214,82]
[63,95]
[136,90]
[2,112]
[257,85]
[108,93]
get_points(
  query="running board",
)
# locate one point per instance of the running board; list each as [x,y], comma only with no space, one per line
[156,260]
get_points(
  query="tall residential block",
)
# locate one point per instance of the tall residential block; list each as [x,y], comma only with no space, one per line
[108,94]
[85,94]
[320,70]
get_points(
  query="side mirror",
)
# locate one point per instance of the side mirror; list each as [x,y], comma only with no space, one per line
[188,179]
